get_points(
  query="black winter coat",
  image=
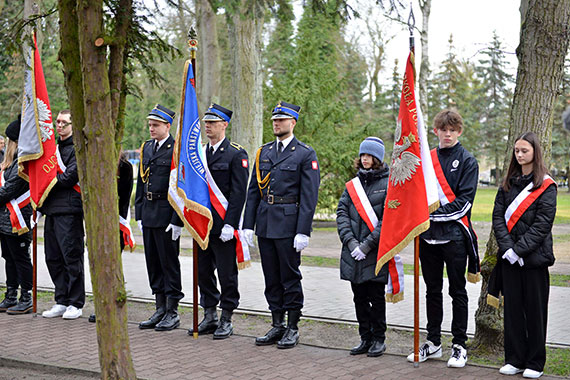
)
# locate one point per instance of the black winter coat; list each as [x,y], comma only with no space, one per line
[531,236]
[354,232]
[63,198]
[14,186]
[125,186]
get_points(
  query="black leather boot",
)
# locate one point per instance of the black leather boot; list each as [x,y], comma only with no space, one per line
[276,331]
[291,336]
[10,299]
[25,305]
[362,348]
[225,328]
[171,319]
[377,349]
[209,324]
[158,314]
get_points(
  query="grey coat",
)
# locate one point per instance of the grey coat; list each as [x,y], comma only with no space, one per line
[354,232]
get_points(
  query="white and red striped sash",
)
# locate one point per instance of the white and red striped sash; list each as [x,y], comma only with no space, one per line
[128,236]
[395,287]
[523,201]
[61,169]
[15,208]
[220,204]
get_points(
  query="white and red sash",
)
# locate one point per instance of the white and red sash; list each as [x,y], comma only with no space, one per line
[220,204]
[446,196]
[15,208]
[523,201]
[61,169]
[395,287]
[128,236]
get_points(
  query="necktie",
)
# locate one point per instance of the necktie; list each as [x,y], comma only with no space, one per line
[279,148]
[209,153]
[155,149]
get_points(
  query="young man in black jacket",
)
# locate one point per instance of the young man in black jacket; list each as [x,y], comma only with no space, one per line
[450,239]
[63,230]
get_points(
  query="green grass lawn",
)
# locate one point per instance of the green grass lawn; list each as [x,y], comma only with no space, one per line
[485,198]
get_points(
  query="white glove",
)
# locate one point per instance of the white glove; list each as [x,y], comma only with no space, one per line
[176,231]
[248,237]
[358,254]
[300,242]
[520,261]
[511,256]
[139,222]
[227,233]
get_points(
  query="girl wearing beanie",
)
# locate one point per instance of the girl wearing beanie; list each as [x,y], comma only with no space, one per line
[359,218]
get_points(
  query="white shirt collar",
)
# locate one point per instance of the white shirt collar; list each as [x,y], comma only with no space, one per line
[286,141]
[162,141]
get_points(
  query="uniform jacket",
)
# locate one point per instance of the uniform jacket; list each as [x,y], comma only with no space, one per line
[294,175]
[354,232]
[14,186]
[229,168]
[125,186]
[462,173]
[63,198]
[151,199]
[531,236]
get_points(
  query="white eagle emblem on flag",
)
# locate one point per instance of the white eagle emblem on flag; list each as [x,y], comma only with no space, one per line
[404,163]
[44,117]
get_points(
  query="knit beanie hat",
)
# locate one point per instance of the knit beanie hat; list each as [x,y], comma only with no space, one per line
[373,146]
[13,130]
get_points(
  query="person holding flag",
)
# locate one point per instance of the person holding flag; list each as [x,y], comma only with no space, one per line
[15,235]
[228,168]
[281,201]
[359,220]
[524,212]
[450,239]
[159,223]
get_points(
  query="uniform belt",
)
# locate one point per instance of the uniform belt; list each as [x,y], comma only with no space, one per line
[273,199]
[155,196]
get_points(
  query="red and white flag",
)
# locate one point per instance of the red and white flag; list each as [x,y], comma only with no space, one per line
[412,189]
[37,159]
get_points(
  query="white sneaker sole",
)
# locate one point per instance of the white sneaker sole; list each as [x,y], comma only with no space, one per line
[52,315]
[435,355]
[456,365]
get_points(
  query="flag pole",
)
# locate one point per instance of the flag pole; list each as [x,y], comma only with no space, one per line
[193,45]
[35,262]
[411,25]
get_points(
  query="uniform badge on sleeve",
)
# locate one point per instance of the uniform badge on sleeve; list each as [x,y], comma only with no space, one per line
[244,163]
[315,165]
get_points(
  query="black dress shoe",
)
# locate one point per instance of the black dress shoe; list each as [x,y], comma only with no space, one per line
[225,328]
[171,319]
[209,324]
[158,314]
[377,349]
[92,318]
[362,348]
[291,336]
[276,332]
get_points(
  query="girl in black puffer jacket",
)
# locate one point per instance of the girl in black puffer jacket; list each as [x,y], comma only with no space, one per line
[15,239]
[360,246]
[525,253]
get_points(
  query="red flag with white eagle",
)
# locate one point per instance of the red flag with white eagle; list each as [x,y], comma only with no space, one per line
[412,189]
[36,143]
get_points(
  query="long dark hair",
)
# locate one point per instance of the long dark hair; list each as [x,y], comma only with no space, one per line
[376,164]
[538,167]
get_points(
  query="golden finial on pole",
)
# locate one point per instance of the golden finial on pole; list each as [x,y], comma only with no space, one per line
[192,43]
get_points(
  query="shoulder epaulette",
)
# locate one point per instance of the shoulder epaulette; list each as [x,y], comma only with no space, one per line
[236,145]
[305,145]
[268,143]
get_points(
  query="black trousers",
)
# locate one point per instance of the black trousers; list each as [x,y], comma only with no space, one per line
[64,249]
[218,256]
[432,258]
[370,307]
[280,263]
[16,253]
[162,264]
[526,293]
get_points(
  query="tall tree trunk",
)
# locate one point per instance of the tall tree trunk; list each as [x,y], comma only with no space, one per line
[244,31]
[209,64]
[425,6]
[545,32]
[93,112]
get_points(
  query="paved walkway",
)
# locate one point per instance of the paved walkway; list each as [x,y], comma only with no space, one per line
[326,296]
[175,355]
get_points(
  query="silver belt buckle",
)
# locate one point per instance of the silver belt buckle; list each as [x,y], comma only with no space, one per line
[149,195]
[270,199]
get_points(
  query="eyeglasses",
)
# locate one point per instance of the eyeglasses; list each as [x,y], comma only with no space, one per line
[63,123]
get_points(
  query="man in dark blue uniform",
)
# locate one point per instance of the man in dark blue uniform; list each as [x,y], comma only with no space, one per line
[160,225]
[227,162]
[281,201]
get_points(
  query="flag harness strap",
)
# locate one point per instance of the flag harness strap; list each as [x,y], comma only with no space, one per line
[261,183]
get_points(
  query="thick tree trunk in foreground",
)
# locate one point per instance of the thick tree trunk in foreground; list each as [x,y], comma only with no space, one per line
[244,31]
[545,32]
[209,63]
[92,110]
